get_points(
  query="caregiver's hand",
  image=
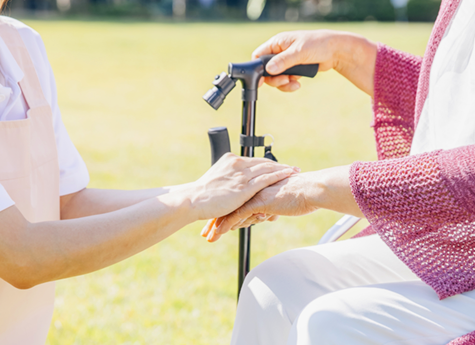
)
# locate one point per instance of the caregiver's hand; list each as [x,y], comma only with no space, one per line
[351,55]
[295,196]
[232,181]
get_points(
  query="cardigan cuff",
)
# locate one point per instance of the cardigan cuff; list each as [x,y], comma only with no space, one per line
[410,203]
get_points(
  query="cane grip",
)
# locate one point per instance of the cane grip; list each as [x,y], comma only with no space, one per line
[219,141]
[309,71]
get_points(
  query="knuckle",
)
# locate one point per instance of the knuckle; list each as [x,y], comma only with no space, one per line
[236,161]
[269,165]
[240,178]
[229,155]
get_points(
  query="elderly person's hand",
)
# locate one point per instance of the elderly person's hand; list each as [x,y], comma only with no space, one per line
[232,181]
[351,55]
[295,196]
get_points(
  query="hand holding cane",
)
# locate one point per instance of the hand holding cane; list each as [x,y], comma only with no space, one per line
[249,73]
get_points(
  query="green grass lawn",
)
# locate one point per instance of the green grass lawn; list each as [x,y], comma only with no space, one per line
[130,95]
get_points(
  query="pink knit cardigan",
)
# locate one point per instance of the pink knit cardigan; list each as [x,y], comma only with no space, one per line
[422,206]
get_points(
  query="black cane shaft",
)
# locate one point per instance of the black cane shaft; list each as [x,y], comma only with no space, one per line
[249,129]
[248,125]
[244,255]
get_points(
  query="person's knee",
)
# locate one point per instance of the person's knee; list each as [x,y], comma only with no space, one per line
[332,319]
[324,315]
[261,304]
[266,277]
[289,279]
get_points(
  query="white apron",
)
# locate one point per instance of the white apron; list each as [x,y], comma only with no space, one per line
[29,171]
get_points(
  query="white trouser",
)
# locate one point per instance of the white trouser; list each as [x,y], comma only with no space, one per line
[350,292]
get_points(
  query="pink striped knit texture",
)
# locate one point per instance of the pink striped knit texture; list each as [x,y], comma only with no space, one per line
[422,206]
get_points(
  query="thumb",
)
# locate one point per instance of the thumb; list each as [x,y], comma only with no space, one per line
[282,62]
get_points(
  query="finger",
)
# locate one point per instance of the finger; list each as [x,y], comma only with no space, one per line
[213,236]
[207,227]
[278,81]
[235,218]
[266,168]
[265,180]
[275,45]
[266,48]
[264,218]
[283,61]
[238,225]
[290,87]
[254,219]
[261,81]
[219,221]
[295,77]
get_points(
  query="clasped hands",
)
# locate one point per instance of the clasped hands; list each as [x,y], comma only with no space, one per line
[296,195]
[286,197]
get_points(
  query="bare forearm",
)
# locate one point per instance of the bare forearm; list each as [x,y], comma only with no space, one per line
[69,248]
[355,59]
[90,201]
[330,189]
[33,253]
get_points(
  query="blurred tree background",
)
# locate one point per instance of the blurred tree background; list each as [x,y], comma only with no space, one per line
[237,10]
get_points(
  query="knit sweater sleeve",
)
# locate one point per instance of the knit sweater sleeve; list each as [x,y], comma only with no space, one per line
[423,207]
[395,88]
[468,339]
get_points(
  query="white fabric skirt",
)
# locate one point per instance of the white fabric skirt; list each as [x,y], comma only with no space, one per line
[351,292]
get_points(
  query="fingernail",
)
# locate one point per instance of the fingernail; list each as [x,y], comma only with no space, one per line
[209,225]
[297,169]
[271,67]
[261,216]
[210,235]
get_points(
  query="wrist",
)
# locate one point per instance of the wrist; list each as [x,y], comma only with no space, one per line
[181,201]
[351,51]
[330,189]
[315,193]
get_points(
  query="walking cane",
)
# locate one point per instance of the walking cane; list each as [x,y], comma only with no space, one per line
[249,73]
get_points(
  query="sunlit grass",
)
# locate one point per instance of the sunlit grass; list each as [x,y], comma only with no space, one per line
[130,95]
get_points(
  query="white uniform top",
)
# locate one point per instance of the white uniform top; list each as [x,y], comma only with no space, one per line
[73,172]
[448,116]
